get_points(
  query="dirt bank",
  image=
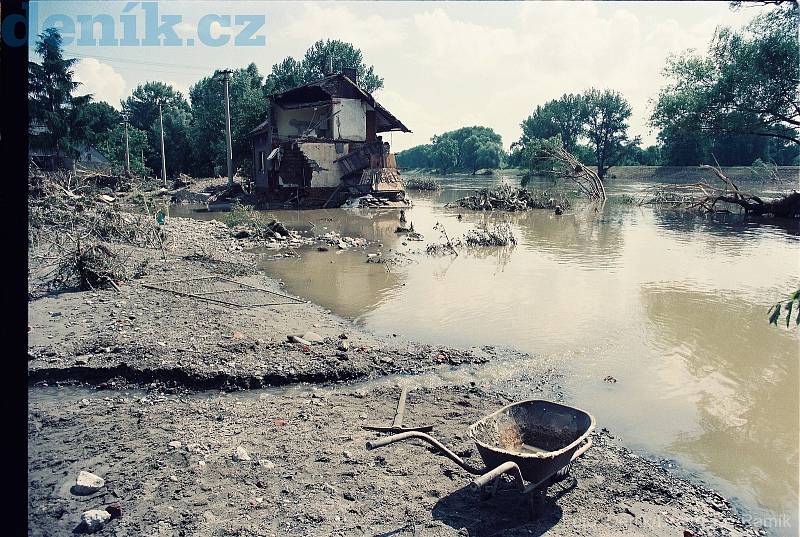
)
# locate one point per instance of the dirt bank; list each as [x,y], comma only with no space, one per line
[139,335]
[171,462]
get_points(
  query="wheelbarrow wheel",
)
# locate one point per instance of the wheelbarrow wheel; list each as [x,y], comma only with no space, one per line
[562,474]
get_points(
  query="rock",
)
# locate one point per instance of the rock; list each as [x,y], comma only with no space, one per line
[344,345]
[242,234]
[322,249]
[175,444]
[349,496]
[342,336]
[267,464]
[114,509]
[298,339]
[94,519]
[87,483]
[241,454]
[312,337]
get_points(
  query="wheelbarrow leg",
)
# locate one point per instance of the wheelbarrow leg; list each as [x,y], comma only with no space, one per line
[536,502]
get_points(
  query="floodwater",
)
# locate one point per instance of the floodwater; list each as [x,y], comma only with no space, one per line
[672,307]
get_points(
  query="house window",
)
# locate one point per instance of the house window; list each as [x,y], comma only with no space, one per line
[261,161]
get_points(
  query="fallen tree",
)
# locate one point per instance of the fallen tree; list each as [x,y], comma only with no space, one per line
[707,198]
[567,166]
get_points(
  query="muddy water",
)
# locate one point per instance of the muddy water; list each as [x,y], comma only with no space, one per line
[673,308]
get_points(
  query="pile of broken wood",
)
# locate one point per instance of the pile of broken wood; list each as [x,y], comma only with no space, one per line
[507,198]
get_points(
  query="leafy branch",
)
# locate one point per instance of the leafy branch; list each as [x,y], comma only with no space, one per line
[788,306]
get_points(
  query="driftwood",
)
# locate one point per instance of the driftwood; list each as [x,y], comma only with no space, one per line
[708,198]
[569,167]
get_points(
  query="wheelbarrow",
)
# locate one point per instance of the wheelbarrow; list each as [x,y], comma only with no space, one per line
[533,441]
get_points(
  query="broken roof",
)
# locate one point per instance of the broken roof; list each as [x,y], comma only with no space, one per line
[339,85]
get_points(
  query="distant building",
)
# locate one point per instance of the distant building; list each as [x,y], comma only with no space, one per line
[320,143]
[89,157]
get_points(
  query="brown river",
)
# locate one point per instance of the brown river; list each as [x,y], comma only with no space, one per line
[672,307]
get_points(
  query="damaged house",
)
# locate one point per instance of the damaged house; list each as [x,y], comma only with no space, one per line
[320,145]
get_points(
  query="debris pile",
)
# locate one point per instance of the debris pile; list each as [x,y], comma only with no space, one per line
[71,225]
[495,235]
[422,183]
[369,201]
[507,198]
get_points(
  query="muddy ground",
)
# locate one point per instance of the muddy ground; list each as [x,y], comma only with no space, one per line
[142,420]
[171,463]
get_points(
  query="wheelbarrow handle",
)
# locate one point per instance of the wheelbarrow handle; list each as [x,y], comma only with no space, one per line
[580,451]
[429,439]
[507,467]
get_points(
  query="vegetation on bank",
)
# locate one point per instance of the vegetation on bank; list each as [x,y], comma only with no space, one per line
[465,150]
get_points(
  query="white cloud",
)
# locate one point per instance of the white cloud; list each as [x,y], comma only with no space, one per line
[324,21]
[101,80]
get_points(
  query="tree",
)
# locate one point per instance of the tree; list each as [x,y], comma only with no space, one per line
[445,155]
[606,127]
[207,133]
[488,156]
[564,117]
[111,144]
[419,156]
[50,87]
[323,58]
[460,136]
[93,119]
[142,110]
[747,83]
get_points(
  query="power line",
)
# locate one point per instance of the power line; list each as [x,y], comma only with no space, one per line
[140,62]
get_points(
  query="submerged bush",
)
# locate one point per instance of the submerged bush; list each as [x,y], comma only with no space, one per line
[494,235]
[422,183]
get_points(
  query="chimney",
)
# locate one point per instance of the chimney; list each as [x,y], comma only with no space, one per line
[350,73]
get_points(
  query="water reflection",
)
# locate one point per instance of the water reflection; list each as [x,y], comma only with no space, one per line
[741,375]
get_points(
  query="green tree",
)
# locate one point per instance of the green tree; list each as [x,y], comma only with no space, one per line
[564,116]
[142,110]
[488,156]
[50,88]
[416,157]
[747,83]
[323,58]
[467,141]
[445,155]
[606,127]
[111,143]
[207,133]
[93,119]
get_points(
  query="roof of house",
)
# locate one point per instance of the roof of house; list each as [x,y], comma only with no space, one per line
[337,85]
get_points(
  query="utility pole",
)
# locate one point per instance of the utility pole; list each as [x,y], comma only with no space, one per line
[127,147]
[226,74]
[163,158]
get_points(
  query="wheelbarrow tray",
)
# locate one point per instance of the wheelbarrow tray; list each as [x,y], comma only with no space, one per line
[540,437]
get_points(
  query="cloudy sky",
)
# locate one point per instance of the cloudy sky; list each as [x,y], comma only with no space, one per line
[445,64]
